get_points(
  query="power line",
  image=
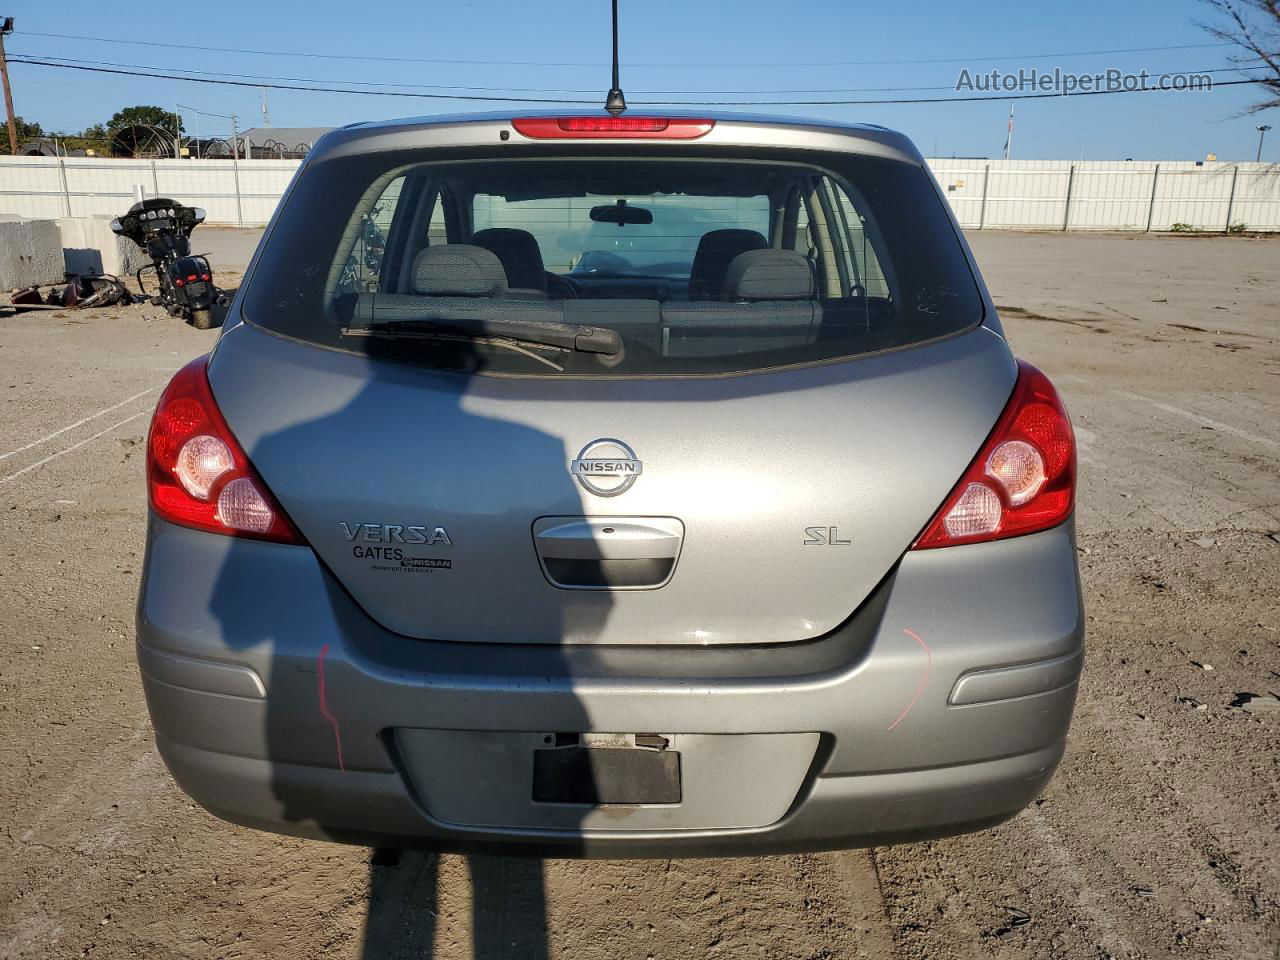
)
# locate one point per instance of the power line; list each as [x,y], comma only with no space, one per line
[362,83]
[284,86]
[568,102]
[550,90]
[703,65]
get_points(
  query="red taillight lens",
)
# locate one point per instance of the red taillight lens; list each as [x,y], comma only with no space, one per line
[204,277]
[197,474]
[179,282]
[1024,477]
[604,128]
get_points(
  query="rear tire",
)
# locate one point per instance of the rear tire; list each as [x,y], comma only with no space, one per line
[202,319]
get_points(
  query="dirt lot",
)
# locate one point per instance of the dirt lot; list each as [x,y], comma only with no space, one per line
[1158,838]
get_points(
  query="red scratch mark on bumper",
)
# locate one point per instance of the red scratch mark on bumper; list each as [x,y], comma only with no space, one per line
[324,705]
[924,677]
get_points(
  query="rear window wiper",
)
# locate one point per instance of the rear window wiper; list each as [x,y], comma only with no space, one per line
[573,337]
[528,348]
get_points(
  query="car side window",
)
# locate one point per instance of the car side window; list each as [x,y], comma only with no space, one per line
[437,227]
[858,250]
[804,241]
[363,270]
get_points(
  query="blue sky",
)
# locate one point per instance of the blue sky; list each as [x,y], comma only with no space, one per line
[693,45]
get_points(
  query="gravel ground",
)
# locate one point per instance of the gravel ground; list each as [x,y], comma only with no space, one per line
[1157,838]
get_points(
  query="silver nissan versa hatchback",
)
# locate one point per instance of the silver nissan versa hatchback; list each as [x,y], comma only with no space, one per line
[611,486]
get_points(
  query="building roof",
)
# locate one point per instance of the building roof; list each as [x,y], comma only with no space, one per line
[288,136]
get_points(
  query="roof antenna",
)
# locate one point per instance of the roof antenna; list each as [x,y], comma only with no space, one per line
[615,103]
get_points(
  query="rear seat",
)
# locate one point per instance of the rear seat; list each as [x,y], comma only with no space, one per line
[455,281]
[768,303]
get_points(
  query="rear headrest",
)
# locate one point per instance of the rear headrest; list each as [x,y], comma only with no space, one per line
[458,270]
[518,250]
[769,275]
[716,249]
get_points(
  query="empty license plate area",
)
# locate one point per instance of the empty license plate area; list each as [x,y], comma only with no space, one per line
[595,769]
[604,782]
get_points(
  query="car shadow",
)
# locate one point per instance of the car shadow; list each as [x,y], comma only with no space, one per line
[342,690]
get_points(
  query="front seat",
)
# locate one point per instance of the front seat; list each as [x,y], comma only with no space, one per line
[520,255]
[716,250]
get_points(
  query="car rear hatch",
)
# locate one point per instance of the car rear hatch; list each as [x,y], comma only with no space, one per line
[795,492]
[748,485]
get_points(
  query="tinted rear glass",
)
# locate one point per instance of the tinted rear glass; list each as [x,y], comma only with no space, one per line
[698,264]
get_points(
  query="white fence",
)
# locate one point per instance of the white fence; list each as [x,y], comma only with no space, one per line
[985,194]
[1100,195]
[237,192]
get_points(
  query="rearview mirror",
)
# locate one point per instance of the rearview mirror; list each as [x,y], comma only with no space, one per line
[117,226]
[621,214]
[199,214]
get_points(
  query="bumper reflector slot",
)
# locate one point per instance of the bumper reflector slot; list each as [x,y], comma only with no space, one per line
[1008,683]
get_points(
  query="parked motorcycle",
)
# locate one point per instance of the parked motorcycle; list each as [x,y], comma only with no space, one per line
[364,264]
[184,281]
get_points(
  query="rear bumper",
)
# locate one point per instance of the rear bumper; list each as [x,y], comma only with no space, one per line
[943,706]
[374,808]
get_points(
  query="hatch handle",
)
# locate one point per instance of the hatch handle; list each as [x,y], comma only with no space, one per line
[608,538]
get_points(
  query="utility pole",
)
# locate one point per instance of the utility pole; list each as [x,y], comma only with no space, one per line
[184,106]
[1262,131]
[235,134]
[6,28]
[235,170]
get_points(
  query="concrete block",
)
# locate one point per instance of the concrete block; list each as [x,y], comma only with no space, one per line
[89,246]
[30,252]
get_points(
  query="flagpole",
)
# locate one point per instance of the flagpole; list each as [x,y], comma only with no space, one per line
[1008,140]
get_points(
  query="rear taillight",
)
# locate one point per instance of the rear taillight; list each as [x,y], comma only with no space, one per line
[197,474]
[605,128]
[1024,477]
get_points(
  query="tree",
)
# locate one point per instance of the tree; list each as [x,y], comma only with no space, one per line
[96,138]
[145,116]
[26,131]
[1254,27]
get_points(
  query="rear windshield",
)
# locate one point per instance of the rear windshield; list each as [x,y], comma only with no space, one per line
[641,265]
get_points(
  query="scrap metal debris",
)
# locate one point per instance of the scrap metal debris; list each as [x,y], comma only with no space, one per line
[79,291]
